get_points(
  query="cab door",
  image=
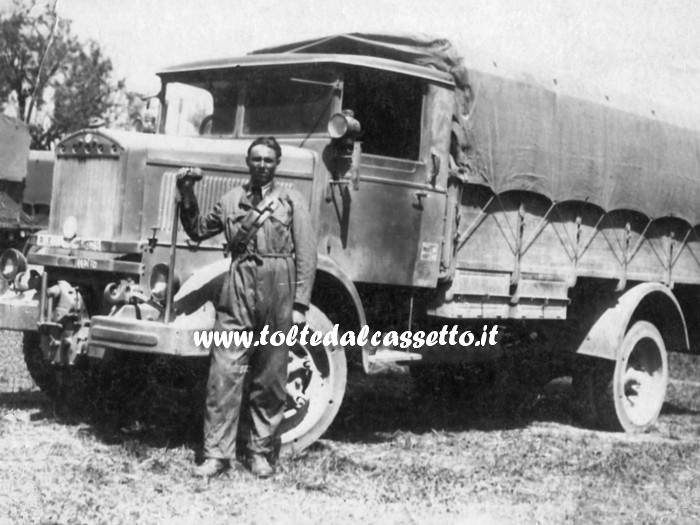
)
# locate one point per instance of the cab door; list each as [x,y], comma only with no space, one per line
[387,227]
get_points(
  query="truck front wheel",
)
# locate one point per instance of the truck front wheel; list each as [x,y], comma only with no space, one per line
[41,371]
[627,394]
[317,376]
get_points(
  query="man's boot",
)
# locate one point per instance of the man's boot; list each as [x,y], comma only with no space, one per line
[211,468]
[260,467]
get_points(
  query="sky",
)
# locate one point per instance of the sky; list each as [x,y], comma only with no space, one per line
[648,48]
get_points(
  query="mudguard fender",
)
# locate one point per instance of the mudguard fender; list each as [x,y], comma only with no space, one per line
[193,301]
[659,307]
[329,266]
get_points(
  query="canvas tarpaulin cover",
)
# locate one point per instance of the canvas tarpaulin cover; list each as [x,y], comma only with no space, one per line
[524,135]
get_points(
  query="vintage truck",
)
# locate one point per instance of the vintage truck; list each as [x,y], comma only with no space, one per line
[25,185]
[443,190]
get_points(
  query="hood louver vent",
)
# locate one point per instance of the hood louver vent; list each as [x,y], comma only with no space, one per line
[89,144]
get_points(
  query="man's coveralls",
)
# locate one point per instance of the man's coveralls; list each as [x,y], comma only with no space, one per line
[275,272]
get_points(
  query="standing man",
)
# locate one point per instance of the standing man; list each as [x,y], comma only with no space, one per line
[273,263]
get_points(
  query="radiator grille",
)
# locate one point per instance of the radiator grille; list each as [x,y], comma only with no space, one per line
[208,191]
[91,191]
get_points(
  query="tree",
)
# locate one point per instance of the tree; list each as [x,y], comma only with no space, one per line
[57,82]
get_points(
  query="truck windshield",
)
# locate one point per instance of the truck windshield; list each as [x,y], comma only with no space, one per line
[272,101]
[288,105]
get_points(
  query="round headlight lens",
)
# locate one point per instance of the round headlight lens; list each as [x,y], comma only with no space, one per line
[158,282]
[12,262]
[337,126]
[70,228]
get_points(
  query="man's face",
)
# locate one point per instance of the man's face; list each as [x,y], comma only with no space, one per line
[262,162]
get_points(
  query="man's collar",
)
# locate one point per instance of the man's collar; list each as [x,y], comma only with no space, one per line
[264,189]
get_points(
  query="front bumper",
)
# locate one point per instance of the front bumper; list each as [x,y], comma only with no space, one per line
[134,335]
[19,311]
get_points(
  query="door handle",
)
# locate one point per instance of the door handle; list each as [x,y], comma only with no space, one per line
[420,195]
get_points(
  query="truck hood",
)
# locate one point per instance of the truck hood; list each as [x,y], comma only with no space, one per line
[227,154]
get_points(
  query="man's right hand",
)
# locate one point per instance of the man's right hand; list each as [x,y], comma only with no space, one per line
[186,177]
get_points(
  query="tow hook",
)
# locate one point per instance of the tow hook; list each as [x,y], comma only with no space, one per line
[65,334]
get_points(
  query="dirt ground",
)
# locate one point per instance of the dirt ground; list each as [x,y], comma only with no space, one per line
[391,457]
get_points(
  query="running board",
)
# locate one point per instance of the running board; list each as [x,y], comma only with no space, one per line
[371,357]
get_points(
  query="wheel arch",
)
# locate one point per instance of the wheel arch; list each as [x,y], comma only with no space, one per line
[650,302]
[333,283]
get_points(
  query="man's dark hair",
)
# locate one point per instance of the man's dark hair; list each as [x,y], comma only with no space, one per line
[270,142]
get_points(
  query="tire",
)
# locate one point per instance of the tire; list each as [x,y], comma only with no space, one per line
[322,383]
[626,394]
[69,388]
[41,371]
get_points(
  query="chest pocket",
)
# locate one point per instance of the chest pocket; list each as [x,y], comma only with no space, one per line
[278,229]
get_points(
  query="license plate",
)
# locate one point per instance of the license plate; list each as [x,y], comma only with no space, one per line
[86,264]
[56,241]
[53,241]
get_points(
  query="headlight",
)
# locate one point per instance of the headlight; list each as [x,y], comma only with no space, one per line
[70,228]
[343,124]
[12,262]
[337,126]
[158,282]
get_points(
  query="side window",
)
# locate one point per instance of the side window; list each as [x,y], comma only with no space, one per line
[389,107]
[205,108]
[187,107]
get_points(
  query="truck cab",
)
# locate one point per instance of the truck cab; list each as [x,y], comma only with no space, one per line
[404,138]
[365,140]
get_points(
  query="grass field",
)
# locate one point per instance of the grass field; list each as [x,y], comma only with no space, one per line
[390,457]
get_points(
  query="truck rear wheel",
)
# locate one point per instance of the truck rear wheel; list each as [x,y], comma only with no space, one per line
[627,394]
[315,387]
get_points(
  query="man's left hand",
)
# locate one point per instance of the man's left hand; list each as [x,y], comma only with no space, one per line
[298,317]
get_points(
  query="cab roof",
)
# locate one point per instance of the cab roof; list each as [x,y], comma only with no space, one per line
[279,59]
